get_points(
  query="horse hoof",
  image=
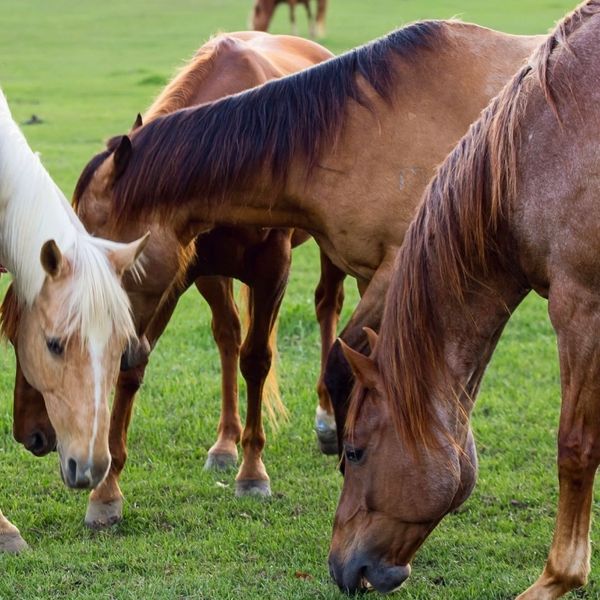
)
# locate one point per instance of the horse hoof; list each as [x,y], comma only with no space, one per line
[12,543]
[220,462]
[252,487]
[326,438]
[102,515]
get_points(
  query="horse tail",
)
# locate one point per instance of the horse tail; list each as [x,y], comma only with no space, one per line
[274,407]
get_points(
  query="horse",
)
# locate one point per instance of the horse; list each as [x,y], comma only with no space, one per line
[74,316]
[333,150]
[512,209]
[259,257]
[263,11]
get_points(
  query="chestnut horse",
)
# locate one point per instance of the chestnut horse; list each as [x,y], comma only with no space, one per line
[74,316]
[260,257]
[369,127]
[263,11]
[514,208]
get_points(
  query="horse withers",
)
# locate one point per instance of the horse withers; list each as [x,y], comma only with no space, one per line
[514,208]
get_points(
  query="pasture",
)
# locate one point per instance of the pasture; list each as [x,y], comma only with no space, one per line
[85,70]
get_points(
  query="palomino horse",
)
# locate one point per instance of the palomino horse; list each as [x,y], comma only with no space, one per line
[369,127]
[259,257]
[513,208]
[74,316]
[263,10]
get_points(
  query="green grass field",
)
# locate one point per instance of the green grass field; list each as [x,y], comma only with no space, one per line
[86,68]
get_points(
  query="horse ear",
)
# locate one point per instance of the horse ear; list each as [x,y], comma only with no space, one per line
[121,156]
[51,258]
[363,367]
[137,123]
[124,257]
[372,337]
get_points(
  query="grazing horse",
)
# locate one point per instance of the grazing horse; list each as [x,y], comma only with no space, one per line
[260,257]
[335,150]
[74,316]
[514,208]
[263,11]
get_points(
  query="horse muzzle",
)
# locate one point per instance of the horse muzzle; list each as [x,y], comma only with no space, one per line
[362,572]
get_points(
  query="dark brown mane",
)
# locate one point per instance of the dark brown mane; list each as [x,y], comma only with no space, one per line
[210,149]
[92,166]
[455,236]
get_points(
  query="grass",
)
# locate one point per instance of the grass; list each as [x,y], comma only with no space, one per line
[86,68]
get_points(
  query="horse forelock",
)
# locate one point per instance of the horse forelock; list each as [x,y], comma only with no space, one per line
[455,238]
[96,303]
[210,150]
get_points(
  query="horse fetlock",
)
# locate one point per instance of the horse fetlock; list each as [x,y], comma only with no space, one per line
[102,515]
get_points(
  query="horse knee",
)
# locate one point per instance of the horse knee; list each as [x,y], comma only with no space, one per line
[255,366]
[578,454]
[227,335]
[131,381]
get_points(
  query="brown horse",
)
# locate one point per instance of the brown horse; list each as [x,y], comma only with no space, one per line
[513,208]
[369,127]
[259,257]
[263,11]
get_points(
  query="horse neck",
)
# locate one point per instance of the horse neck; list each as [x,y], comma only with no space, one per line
[33,211]
[470,329]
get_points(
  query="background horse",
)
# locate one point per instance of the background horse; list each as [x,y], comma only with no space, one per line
[74,317]
[263,11]
[513,208]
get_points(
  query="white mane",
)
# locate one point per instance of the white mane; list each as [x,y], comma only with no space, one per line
[32,211]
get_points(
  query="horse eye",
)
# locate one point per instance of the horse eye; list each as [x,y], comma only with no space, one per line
[354,455]
[55,346]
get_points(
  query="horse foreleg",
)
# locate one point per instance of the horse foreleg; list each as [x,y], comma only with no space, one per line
[10,537]
[218,292]
[577,322]
[321,10]
[329,299]
[311,21]
[294,27]
[271,270]
[105,506]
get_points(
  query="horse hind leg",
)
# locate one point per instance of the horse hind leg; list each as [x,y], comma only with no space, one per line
[218,292]
[10,537]
[576,319]
[329,299]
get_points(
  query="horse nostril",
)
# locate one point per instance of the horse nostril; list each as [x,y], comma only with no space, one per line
[71,471]
[37,443]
